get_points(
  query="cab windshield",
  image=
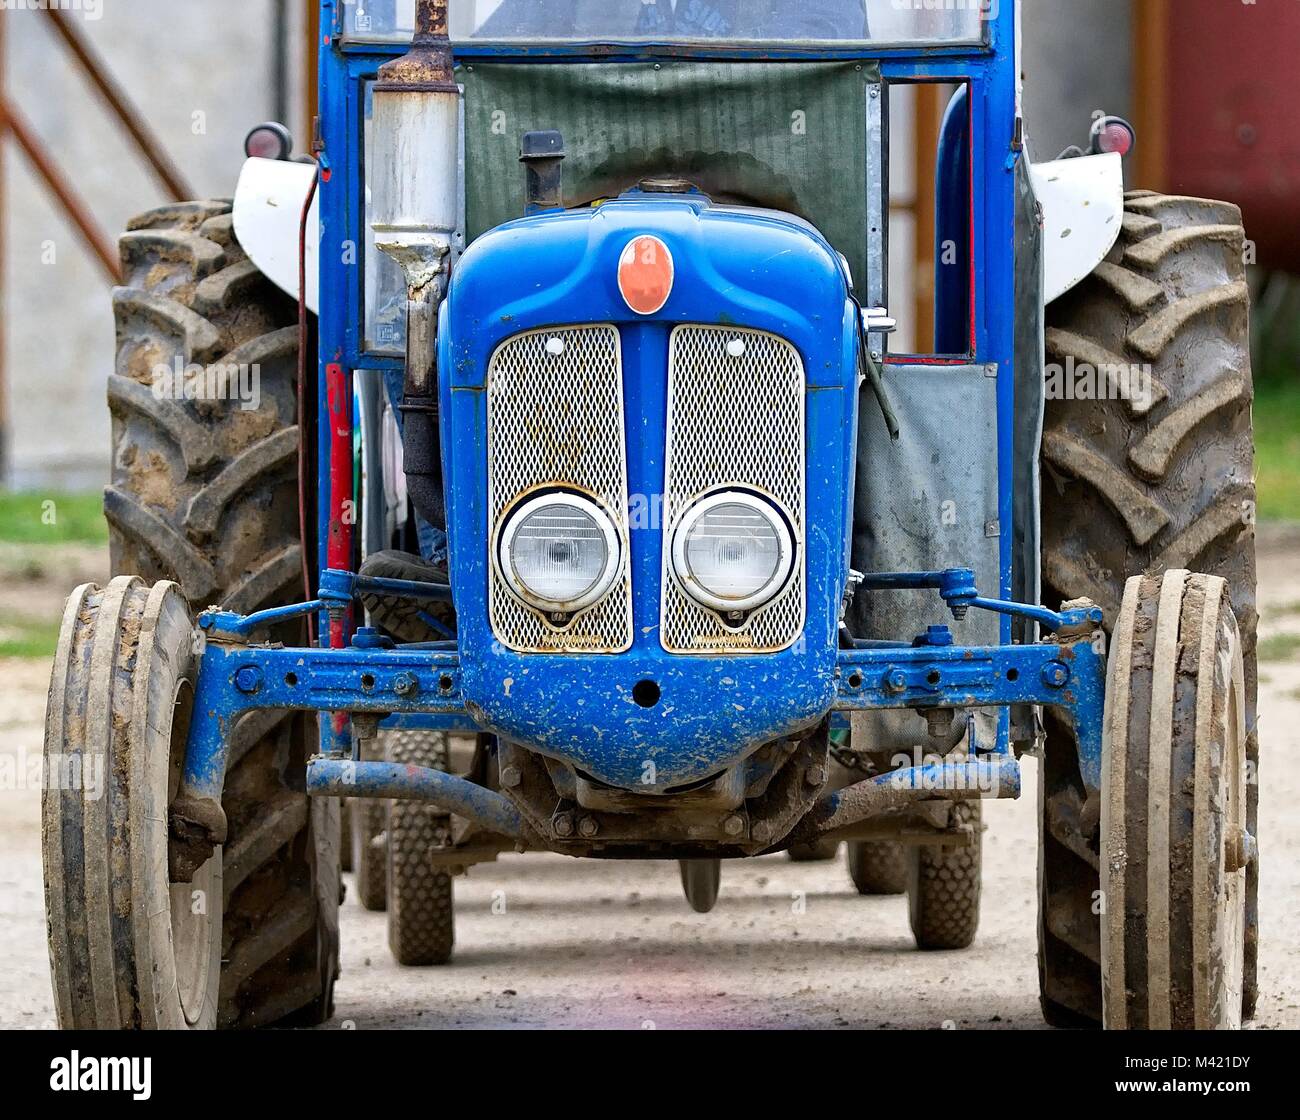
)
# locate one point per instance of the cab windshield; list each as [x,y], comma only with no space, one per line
[787,22]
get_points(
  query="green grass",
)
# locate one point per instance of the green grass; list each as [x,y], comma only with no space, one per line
[1279,647]
[29,638]
[37,517]
[1277,452]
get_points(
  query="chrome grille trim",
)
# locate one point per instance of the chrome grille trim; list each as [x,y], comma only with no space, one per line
[734,421]
[557,420]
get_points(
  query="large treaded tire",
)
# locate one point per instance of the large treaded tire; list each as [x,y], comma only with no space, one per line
[421,912]
[943,886]
[1143,485]
[204,492]
[878,866]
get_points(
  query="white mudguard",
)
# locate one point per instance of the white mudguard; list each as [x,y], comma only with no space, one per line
[1083,208]
[268,221]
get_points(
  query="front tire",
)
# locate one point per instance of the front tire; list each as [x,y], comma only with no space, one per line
[1174,838]
[128,948]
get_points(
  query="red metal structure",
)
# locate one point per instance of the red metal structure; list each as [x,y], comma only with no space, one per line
[1219,113]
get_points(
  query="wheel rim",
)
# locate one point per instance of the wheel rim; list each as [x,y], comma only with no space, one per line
[190,903]
[191,937]
[1226,864]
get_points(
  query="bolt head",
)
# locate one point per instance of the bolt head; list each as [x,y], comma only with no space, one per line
[733,825]
[563,825]
[248,679]
[588,827]
[1056,674]
[511,777]
[816,774]
[406,684]
[896,680]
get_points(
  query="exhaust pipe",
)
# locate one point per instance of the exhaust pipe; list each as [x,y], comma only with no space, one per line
[413,186]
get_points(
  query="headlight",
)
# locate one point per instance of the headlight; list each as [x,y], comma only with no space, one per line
[733,551]
[559,552]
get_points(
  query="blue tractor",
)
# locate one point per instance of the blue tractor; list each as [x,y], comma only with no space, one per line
[530,467]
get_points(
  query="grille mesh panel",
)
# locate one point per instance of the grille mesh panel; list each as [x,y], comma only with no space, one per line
[733,421]
[559,419]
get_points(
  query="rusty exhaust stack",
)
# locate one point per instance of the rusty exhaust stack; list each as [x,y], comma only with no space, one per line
[413,183]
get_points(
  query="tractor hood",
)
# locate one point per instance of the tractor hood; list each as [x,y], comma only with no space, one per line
[634,359]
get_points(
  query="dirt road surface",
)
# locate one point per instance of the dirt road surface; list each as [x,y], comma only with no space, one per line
[545,941]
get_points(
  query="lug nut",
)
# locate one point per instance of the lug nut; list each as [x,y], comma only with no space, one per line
[563,825]
[733,825]
[511,777]
[1239,851]
[588,827]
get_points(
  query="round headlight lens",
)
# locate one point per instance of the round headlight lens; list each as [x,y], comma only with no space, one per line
[733,551]
[560,552]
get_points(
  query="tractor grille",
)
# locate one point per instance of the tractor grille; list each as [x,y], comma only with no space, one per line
[557,420]
[733,421]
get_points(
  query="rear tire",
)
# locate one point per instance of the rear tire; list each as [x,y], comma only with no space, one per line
[129,950]
[1145,485]
[943,886]
[421,912]
[204,491]
[878,867]
[1174,839]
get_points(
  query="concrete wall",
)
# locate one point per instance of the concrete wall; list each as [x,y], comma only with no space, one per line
[200,72]
[1077,58]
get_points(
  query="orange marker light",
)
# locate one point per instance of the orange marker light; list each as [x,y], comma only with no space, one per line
[645,275]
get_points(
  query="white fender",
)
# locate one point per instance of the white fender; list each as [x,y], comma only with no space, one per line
[1083,208]
[268,220]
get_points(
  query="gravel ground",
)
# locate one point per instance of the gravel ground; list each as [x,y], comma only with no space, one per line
[545,941]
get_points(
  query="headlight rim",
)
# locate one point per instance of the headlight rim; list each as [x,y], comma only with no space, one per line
[764,504]
[515,516]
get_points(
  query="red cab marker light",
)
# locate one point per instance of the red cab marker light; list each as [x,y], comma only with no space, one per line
[645,275]
[1113,136]
[269,141]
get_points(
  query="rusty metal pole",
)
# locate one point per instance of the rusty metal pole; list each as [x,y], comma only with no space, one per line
[146,141]
[1151,31]
[310,72]
[73,205]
